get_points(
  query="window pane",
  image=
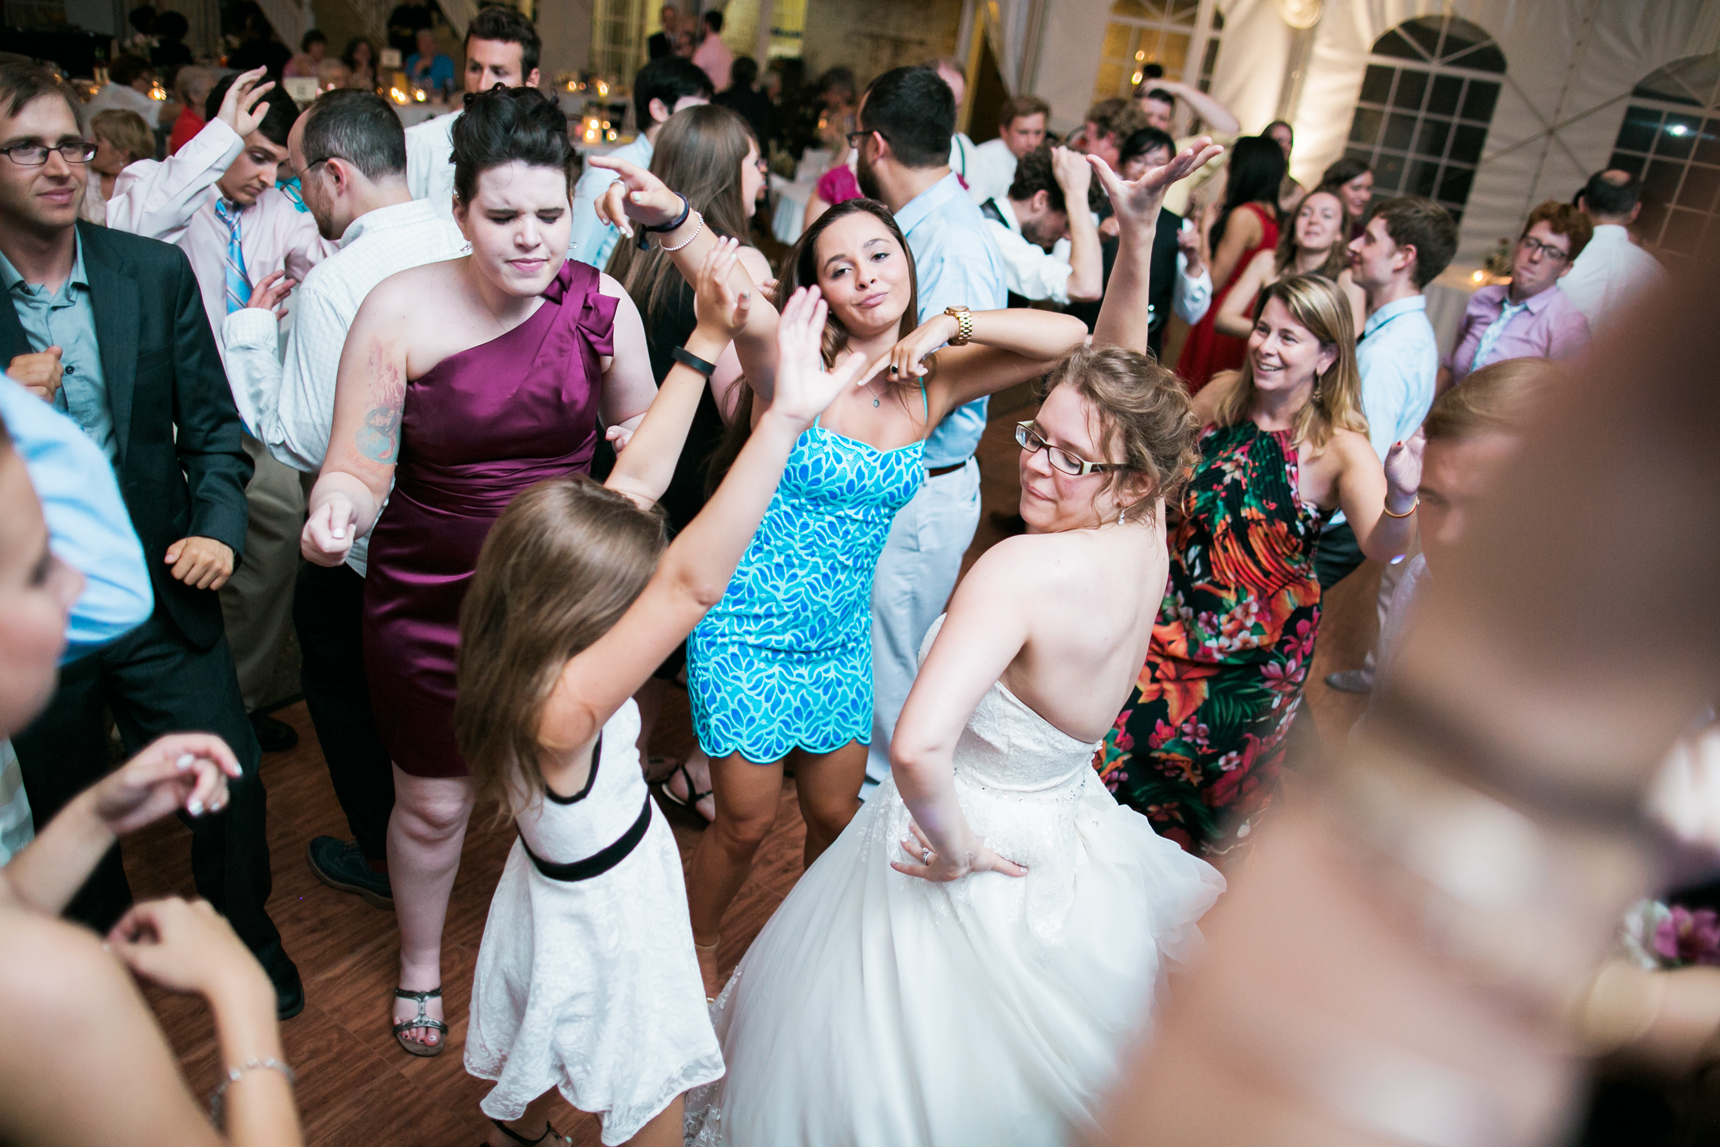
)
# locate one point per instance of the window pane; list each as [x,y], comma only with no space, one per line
[1466,143]
[1377,85]
[1425,32]
[1661,182]
[1442,100]
[1110,82]
[1640,127]
[1431,142]
[1173,53]
[1365,128]
[1136,8]
[1624,162]
[1708,146]
[1478,103]
[1487,58]
[1360,155]
[1683,230]
[1423,174]
[1400,130]
[1454,187]
[1677,137]
[1460,38]
[1116,45]
[1650,222]
[1700,186]
[1411,86]
[1184,11]
[1388,174]
[1392,44]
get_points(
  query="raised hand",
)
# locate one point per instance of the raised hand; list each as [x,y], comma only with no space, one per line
[715,301]
[1137,201]
[803,387]
[906,358]
[1403,465]
[181,770]
[1073,175]
[329,531]
[241,108]
[946,866]
[635,196]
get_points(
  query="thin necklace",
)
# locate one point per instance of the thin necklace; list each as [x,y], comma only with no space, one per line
[874,393]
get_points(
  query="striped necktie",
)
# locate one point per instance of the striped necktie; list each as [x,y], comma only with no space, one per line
[238,284]
[1490,337]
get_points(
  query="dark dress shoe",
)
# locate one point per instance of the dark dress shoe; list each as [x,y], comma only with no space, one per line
[284,974]
[274,736]
[340,864]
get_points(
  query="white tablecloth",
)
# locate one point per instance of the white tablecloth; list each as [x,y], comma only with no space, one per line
[790,210]
[413,114]
[1448,298]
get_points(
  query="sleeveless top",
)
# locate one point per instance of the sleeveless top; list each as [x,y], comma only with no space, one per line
[584,835]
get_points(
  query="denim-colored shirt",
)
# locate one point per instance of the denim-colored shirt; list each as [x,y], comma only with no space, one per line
[89,527]
[592,240]
[1398,356]
[66,318]
[956,262]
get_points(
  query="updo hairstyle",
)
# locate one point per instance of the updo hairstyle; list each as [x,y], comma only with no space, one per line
[503,125]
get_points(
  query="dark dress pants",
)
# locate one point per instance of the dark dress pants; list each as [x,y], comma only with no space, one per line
[328,611]
[156,682]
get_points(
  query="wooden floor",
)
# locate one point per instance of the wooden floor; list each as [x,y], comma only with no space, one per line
[356,1087]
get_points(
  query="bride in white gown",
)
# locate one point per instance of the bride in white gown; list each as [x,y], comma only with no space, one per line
[916,987]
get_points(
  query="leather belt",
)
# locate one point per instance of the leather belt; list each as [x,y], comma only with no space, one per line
[939,471]
[599,862]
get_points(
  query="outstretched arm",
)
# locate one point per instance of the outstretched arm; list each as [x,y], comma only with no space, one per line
[1123,319]
[638,197]
[1233,318]
[1007,347]
[694,572]
[1218,118]
[1366,491]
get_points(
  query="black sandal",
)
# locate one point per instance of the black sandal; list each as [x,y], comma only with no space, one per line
[691,802]
[549,1130]
[420,1021]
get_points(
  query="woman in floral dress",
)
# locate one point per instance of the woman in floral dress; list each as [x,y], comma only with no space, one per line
[1199,746]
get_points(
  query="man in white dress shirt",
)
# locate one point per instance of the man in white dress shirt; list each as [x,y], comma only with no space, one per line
[1611,271]
[350,153]
[1047,202]
[1020,129]
[662,88]
[502,47]
[217,201]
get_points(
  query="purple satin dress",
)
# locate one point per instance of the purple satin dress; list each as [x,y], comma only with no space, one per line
[478,428]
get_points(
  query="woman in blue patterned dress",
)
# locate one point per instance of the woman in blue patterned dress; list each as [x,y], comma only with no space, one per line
[782,668]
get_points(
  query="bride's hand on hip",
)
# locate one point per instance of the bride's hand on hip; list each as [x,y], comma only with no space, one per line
[941,867]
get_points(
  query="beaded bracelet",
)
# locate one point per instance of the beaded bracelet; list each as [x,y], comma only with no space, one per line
[217,1105]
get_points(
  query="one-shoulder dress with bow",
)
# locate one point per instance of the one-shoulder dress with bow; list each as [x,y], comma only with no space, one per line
[477,429]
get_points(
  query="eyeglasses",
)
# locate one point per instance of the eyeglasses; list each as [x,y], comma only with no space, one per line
[36,154]
[1547,250]
[1029,440]
[293,186]
[854,137]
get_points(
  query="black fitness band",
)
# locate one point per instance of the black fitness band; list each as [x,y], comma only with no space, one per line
[686,210]
[687,358]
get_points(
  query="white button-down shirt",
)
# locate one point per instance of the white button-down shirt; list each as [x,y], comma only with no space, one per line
[290,405]
[1609,274]
[430,162]
[990,171]
[174,200]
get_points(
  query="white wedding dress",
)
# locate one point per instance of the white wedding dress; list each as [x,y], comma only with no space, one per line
[882,1010]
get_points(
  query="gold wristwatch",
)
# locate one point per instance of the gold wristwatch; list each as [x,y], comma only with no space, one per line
[964,325]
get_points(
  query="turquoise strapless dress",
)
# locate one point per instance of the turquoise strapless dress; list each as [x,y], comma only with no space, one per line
[785,659]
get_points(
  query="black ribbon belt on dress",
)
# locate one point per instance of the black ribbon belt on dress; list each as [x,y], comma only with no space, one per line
[598,862]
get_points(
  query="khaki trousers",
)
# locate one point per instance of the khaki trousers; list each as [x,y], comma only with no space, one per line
[257,601]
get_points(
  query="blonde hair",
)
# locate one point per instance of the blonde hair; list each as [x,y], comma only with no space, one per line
[126,131]
[559,568]
[1317,305]
[1146,422]
[1493,400]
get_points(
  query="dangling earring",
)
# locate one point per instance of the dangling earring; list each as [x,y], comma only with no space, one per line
[1119,515]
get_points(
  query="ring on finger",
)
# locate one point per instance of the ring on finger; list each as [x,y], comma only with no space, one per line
[926,856]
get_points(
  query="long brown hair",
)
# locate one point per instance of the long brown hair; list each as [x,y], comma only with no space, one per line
[699,153]
[800,269]
[559,568]
[1316,304]
[1337,259]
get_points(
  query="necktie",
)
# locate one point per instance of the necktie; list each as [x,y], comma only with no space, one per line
[238,284]
[1490,336]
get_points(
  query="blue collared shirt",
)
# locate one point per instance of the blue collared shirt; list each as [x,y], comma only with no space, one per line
[592,240]
[67,319]
[1399,359]
[88,526]
[956,263]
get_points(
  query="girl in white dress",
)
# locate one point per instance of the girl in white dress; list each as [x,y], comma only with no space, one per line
[966,964]
[587,982]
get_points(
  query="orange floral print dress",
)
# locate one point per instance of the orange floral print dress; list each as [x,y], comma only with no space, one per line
[1199,746]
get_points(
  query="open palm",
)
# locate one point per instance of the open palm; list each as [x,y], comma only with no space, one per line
[1139,199]
[803,387]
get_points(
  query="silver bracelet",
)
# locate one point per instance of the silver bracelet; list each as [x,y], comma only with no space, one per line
[237,1072]
[689,239]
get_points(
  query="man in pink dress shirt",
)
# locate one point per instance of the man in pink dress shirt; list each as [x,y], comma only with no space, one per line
[1529,317]
[217,201]
[713,55]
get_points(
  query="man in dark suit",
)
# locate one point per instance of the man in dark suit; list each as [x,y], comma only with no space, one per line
[111,329]
[662,44]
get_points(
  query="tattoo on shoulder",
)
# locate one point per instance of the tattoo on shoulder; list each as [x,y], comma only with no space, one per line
[379,438]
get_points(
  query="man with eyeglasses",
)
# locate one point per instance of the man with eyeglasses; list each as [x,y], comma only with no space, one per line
[218,199]
[1529,317]
[110,328]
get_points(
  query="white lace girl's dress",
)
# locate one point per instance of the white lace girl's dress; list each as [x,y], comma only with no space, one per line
[587,980]
[882,1010]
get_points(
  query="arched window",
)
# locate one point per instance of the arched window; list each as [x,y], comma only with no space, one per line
[1163,32]
[1426,104]
[1671,139]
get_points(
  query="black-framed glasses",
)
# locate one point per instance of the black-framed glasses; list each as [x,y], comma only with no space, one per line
[854,137]
[36,154]
[1536,247]
[1029,440]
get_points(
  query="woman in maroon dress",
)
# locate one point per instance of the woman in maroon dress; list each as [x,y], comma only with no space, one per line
[1247,225]
[462,384]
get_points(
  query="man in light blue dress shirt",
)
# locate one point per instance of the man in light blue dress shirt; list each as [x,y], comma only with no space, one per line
[908,115]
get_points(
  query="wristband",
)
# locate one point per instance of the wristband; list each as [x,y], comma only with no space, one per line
[642,230]
[687,358]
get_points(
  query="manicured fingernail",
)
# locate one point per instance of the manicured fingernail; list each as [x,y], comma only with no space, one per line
[194,807]
[185,761]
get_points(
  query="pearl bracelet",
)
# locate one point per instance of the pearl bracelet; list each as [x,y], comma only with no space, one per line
[237,1072]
